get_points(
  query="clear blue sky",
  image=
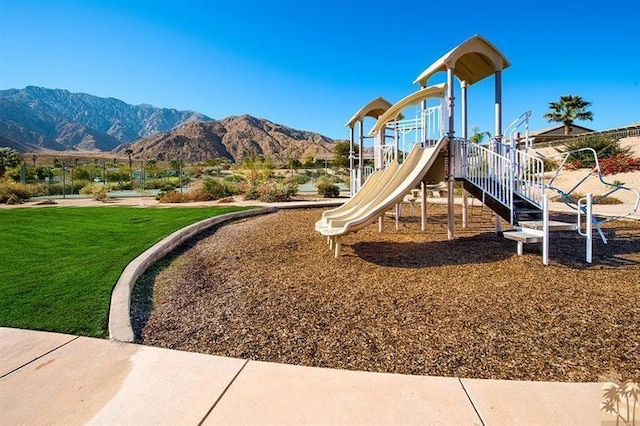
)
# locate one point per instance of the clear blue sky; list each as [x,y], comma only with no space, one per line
[312,64]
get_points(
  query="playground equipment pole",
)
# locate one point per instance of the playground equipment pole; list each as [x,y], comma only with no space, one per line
[463,97]
[498,105]
[360,154]
[450,96]
[545,229]
[589,225]
[498,126]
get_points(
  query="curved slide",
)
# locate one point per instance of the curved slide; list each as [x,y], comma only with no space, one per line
[369,190]
[389,189]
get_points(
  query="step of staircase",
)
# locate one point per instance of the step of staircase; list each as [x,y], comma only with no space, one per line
[554,226]
[527,211]
[522,237]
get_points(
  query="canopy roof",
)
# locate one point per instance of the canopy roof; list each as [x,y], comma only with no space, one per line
[473,60]
[395,112]
[373,109]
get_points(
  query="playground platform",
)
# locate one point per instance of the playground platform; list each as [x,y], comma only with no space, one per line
[50,378]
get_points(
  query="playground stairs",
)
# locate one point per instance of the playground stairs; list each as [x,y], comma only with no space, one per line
[526,218]
[523,210]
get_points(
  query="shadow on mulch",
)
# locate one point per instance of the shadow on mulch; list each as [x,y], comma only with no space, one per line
[481,248]
[566,249]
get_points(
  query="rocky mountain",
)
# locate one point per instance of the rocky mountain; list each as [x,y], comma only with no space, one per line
[36,117]
[232,138]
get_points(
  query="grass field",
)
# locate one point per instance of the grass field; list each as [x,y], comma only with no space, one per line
[59,265]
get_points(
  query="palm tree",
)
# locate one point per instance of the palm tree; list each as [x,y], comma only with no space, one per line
[8,158]
[478,136]
[568,109]
[129,151]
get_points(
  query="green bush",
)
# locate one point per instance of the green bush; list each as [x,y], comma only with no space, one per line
[328,190]
[605,147]
[56,188]
[298,179]
[549,164]
[233,178]
[214,189]
[155,184]
[96,191]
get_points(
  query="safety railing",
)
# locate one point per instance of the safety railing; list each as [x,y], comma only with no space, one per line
[528,172]
[486,169]
[426,126]
[355,178]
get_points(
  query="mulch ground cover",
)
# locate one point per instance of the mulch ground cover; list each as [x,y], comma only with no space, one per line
[401,301]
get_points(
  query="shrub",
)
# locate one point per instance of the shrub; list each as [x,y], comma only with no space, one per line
[273,192]
[549,164]
[56,188]
[15,192]
[251,194]
[233,178]
[609,200]
[298,179]
[596,200]
[605,147]
[96,191]
[174,197]
[328,190]
[213,189]
[620,163]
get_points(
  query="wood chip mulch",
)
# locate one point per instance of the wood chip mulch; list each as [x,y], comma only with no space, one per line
[401,301]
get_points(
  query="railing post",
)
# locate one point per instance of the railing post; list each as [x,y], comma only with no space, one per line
[545,229]
[589,226]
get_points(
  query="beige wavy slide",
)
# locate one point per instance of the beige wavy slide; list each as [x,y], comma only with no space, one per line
[388,190]
[369,190]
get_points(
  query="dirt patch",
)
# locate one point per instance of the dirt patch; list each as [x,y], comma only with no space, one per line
[402,301]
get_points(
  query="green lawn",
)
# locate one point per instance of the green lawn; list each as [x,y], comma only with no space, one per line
[59,265]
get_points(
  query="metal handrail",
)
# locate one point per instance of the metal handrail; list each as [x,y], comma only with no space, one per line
[487,169]
[566,195]
[512,128]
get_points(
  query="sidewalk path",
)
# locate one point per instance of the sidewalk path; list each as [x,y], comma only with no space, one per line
[49,378]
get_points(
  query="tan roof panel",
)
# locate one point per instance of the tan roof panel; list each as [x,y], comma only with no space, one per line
[373,109]
[473,60]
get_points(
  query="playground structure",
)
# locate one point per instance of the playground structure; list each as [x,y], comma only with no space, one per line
[506,175]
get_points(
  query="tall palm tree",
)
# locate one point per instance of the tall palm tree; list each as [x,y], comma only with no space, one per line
[129,151]
[568,109]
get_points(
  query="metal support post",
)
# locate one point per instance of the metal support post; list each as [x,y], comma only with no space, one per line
[589,228]
[545,229]
[450,111]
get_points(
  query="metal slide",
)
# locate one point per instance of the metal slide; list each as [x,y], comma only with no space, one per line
[390,190]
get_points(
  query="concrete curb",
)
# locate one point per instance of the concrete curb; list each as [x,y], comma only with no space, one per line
[119,311]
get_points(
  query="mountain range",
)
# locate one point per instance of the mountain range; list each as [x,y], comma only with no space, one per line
[37,118]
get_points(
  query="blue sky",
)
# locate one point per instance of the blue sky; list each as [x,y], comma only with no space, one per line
[312,64]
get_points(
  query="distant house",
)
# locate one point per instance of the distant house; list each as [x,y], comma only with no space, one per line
[556,133]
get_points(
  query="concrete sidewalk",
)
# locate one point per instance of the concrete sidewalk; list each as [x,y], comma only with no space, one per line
[49,378]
